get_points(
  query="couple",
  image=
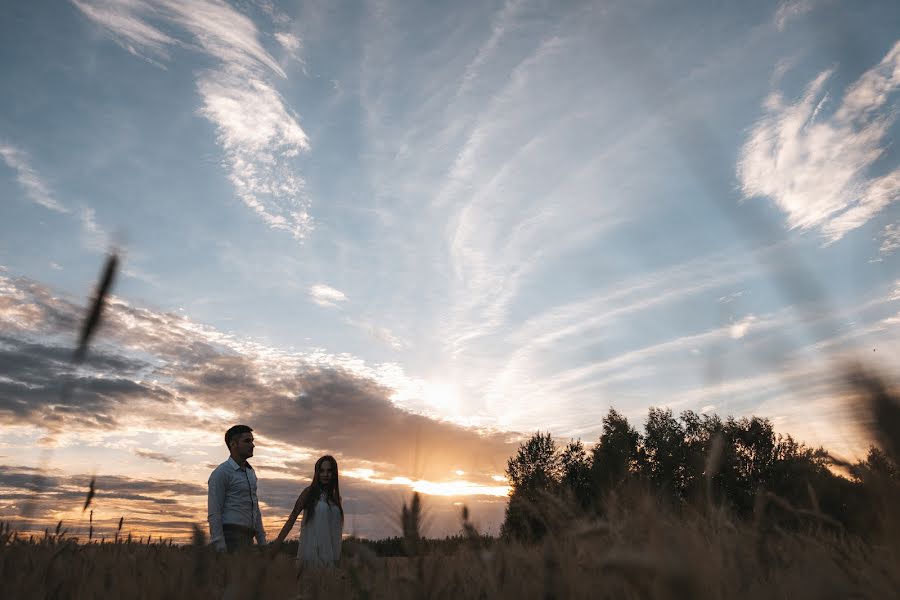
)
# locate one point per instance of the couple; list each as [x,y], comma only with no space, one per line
[234,518]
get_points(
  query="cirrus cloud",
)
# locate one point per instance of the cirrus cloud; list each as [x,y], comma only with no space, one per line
[258,132]
[817,169]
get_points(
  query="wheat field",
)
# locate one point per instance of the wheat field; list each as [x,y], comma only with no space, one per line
[640,550]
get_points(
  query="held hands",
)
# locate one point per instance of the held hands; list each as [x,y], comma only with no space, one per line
[272,548]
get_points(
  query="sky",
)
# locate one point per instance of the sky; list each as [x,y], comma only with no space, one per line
[411,234]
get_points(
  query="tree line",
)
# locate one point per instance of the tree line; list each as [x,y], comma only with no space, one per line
[694,461]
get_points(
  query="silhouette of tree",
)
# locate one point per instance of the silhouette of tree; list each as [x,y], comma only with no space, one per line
[666,452]
[746,457]
[878,465]
[535,469]
[536,465]
[699,433]
[616,455]
[576,472]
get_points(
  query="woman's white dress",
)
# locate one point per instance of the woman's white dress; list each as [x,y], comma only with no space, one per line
[320,536]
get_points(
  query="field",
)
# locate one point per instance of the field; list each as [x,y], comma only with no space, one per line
[640,550]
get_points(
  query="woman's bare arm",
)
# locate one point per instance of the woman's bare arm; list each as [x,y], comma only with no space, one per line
[299,505]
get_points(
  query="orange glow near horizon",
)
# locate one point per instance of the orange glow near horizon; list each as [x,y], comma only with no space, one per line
[457,487]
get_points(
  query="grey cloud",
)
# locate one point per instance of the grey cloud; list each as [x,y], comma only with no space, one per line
[294,399]
[32,376]
[51,492]
[154,456]
[113,486]
[349,416]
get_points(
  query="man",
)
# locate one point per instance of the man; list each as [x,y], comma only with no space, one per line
[234,518]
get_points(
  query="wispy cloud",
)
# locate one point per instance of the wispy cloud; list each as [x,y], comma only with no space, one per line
[258,132]
[268,7]
[789,10]
[815,168]
[127,22]
[740,329]
[380,333]
[94,237]
[890,239]
[325,295]
[32,184]
[158,456]
[291,44]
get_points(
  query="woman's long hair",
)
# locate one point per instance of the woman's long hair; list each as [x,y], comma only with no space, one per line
[333,492]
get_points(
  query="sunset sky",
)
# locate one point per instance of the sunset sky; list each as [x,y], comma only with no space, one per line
[410,233]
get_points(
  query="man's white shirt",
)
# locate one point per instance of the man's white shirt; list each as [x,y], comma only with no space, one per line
[233,500]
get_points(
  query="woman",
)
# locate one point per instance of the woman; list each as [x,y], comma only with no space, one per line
[323,517]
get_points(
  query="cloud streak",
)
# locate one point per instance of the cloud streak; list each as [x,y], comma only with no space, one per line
[789,10]
[259,134]
[816,168]
[32,184]
[890,239]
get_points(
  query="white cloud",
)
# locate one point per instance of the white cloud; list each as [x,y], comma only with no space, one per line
[791,9]
[740,329]
[290,42]
[94,237]
[501,23]
[258,132]
[126,20]
[382,334]
[34,187]
[729,298]
[276,15]
[814,168]
[259,136]
[325,295]
[223,32]
[890,239]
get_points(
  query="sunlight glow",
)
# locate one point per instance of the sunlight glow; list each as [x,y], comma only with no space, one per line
[433,488]
[459,488]
[358,473]
[442,397]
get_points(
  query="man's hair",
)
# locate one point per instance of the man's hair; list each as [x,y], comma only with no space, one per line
[236,432]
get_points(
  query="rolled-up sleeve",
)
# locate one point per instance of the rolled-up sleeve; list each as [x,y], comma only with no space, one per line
[215,504]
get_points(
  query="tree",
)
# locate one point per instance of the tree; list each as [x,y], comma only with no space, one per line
[878,465]
[536,469]
[700,431]
[749,457]
[616,455]
[536,465]
[576,472]
[745,457]
[666,452]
